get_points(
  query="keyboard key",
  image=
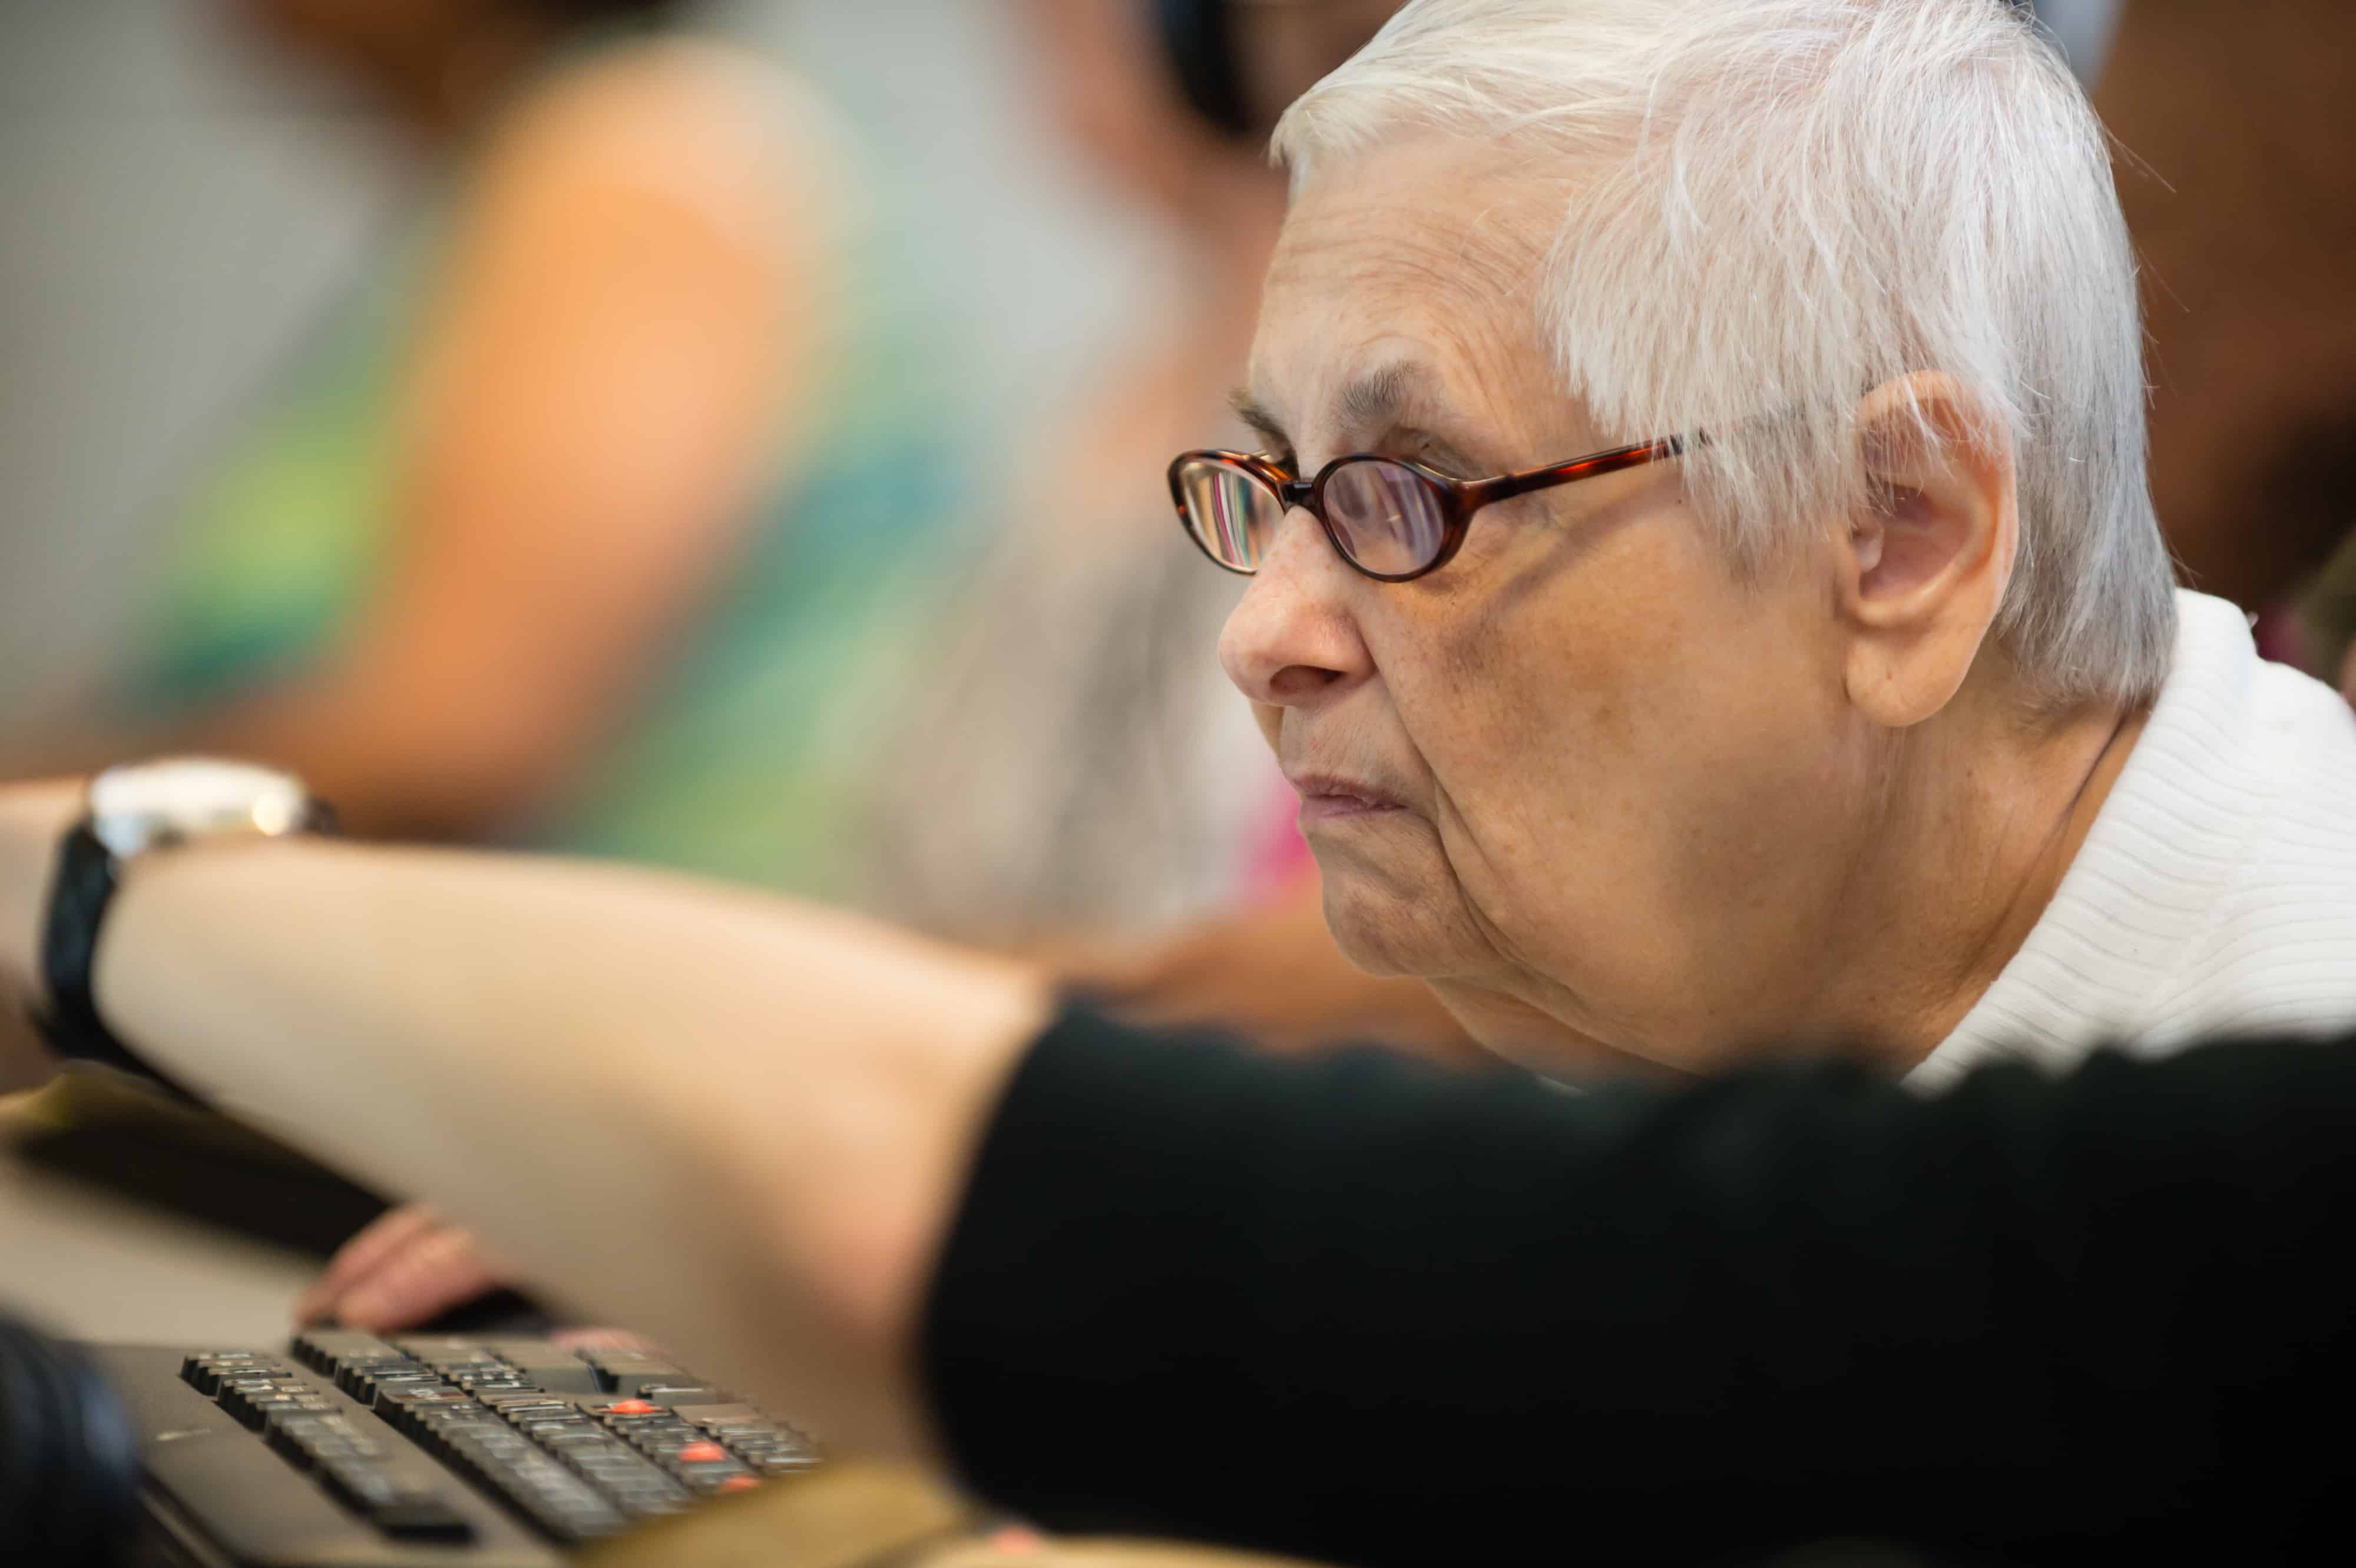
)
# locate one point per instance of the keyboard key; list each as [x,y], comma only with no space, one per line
[360,1484]
[326,1349]
[205,1370]
[359,1379]
[764,1439]
[641,1490]
[721,1414]
[426,1346]
[625,1407]
[620,1360]
[549,1364]
[629,1373]
[564,1444]
[421,1516]
[471,1372]
[392,1399]
[405,1408]
[558,1501]
[578,1447]
[252,1408]
[294,1434]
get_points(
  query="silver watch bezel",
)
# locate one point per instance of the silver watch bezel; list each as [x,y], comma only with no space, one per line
[173,800]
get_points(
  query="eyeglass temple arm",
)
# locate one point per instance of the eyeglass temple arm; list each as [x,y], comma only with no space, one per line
[1505,485]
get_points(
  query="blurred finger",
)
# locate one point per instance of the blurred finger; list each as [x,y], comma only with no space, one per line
[434,1274]
[368,1250]
[606,1339]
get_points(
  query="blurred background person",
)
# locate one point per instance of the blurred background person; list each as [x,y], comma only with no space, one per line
[1140,835]
[2238,182]
[628,511]
[1075,724]
[631,508]
[1075,763]
[601,514]
[1078,776]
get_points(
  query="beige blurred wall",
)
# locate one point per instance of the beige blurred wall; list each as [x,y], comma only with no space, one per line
[166,219]
[173,216]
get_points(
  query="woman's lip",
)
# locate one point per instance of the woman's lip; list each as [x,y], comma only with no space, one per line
[1328,808]
[1323,798]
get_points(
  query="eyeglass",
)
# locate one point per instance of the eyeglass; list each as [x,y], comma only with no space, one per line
[1388,517]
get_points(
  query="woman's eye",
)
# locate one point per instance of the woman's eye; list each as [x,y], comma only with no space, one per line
[1444,462]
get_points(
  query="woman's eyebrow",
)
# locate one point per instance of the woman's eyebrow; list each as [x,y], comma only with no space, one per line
[1372,405]
[1371,401]
[1379,404]
[1263,423]
[1374,401]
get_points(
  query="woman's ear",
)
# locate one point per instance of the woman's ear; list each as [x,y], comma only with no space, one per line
[1924,565]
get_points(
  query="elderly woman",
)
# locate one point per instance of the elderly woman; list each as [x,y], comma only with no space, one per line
[1703,592]
[1851,699]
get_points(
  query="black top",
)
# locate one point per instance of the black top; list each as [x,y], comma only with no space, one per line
[1364,1312]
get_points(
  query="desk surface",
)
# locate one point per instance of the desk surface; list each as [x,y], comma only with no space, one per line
[93,1266]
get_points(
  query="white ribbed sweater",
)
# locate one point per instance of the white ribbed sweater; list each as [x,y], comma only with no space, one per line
[2216,891]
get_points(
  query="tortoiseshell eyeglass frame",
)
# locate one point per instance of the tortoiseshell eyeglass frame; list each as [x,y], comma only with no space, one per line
[1457,499]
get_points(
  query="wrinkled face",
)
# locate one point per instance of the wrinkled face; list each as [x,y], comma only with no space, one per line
[1582,777]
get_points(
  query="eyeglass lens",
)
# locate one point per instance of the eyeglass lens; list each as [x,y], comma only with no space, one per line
[1234,513]
[1385,518]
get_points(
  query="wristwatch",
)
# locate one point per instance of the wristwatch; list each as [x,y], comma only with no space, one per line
[138,810]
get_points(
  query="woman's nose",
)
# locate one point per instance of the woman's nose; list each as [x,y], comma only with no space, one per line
[1294,639]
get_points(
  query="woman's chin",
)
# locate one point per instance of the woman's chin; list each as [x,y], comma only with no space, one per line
[1376,930]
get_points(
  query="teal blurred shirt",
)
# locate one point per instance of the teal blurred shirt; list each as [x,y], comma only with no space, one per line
[750,754]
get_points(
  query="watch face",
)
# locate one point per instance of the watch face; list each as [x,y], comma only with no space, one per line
[151,803]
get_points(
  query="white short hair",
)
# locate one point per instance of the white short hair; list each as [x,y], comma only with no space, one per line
[1782,204]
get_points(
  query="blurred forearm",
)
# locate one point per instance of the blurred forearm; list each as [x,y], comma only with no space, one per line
[1274,976]
[590,1066]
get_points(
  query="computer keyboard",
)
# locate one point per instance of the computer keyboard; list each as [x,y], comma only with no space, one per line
[487,1452]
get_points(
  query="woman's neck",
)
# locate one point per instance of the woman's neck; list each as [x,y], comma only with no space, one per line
[1993,818]
[1882,938]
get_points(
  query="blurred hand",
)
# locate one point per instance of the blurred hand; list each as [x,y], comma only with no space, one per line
[411,1266]
[408,1266]
[1273,976]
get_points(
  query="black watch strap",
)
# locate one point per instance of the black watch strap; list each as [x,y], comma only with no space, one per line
[86,880]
